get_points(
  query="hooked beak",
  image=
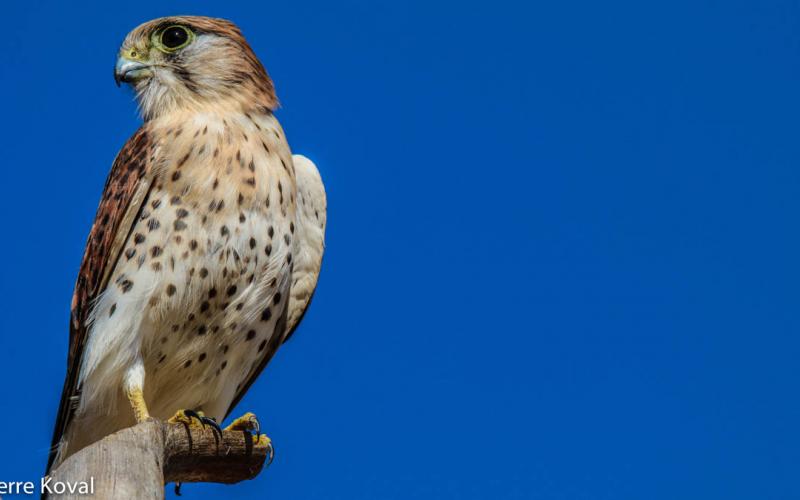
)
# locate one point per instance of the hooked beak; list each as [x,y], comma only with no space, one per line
[129,71]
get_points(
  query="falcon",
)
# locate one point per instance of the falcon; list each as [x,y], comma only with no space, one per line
[206,247]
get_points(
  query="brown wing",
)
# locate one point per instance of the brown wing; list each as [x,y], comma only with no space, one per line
[125,192]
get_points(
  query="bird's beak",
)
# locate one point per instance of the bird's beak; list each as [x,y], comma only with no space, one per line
[128,70]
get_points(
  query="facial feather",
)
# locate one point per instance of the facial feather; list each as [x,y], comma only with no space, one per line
[217,68]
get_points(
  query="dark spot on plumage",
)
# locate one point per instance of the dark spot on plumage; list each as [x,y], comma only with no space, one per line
[126,285]
[251,181]
[179,225]
[262,345]
[188,363]
[112,309]
[162,358]
[176,175]
[138,238]
[175,200]
[201,330]
[129,253]
[185,157]
[231,290]
[223,231]
[266,314]
[156,266]
[252,166]
[202,357]
[268,250]
[212,293]
[203,272]
[270,231]
[242,218]
[181,213]
[223,365]
[171,289]
[251,334]
[252,243]
[193,244]
[156,251]
[287,238]
[204,306]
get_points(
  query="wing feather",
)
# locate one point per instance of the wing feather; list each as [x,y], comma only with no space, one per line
[124,194]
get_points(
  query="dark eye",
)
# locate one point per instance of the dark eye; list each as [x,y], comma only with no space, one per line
[174,37]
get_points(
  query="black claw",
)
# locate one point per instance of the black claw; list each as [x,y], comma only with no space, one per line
[256,426]
[178,489]
[210,421]
[271,451]
[192,414]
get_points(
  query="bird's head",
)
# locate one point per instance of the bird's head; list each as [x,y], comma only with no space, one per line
[192,63]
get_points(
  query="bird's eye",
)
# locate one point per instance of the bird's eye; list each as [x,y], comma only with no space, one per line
[174,37]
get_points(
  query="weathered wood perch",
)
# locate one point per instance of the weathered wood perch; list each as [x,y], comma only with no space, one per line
[137,462]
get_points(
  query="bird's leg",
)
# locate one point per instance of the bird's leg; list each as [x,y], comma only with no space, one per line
[194,418]
[134,389]
[249,423]
[136,397]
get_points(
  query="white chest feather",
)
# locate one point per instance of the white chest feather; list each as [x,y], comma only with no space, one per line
[204,279]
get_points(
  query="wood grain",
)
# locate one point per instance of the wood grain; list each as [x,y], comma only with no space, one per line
[137,462]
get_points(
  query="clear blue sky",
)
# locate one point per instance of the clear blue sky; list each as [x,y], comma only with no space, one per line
[563,251]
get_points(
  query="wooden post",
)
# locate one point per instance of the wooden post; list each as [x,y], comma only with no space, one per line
[137,462]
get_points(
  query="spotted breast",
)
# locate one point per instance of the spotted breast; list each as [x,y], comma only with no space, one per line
[200,293]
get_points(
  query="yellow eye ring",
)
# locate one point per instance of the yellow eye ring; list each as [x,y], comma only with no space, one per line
[173,38]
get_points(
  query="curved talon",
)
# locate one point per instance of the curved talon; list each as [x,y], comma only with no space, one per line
[256,426]
[177,489]
[187,417]
[271,453]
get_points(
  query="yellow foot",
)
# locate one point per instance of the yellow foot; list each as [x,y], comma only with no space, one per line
[136,398]
[194,419]
[249,423]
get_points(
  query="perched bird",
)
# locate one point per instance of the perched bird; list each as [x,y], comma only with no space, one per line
[206,247]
